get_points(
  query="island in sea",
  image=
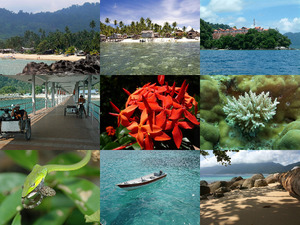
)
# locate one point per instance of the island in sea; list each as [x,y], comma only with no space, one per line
[222,36]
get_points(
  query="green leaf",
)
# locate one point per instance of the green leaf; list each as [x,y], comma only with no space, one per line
[10,206]
[95,217]
[54,217]
[26,159]
[126,140]
[111,146]
[9,181]
[17,219]
[104,139]
[136,146]
[121,131]
[85,194]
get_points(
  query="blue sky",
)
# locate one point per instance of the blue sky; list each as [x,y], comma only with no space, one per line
[281,14]
[35,6]
[284,157]
[183,12]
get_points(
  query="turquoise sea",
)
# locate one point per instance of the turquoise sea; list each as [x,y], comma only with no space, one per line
[150,58]
[14,66]
[172,200]
[209,178]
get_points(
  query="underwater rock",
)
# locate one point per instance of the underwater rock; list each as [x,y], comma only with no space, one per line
[210,134]
[289,138]
[209,94]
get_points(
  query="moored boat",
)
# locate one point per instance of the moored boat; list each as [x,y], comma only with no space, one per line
[141,181]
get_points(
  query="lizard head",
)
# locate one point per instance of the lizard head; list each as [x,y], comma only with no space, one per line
[33,179]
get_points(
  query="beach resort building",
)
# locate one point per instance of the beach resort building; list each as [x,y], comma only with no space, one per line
[234,31]
[147,34]
[102,38]
[192,34]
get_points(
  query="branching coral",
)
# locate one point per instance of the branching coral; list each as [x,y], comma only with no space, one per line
[251,111]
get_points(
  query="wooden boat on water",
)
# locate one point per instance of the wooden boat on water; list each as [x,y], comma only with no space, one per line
[142,181]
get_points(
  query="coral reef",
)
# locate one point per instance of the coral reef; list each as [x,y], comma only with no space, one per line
[251,111]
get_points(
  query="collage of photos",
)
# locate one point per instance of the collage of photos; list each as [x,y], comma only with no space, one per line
[81,79]
[249,112]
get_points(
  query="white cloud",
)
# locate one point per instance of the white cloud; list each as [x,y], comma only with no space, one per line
[287,25]
[226,5]
[38,6]
[283,157]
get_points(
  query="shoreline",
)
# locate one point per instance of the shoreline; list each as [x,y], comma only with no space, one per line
[39,57]
[258,205]
[156,40]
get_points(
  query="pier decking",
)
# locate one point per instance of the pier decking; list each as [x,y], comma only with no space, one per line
[51,130]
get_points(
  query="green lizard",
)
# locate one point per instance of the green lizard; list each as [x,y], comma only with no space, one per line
[34,182]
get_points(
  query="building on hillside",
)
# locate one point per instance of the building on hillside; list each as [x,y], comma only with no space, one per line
[234,31]
[147,34]
[102,38]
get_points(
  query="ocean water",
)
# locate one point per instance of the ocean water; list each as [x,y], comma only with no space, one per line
[172,200]
[223,177]
[25,103]
[250,62]
[14,66]
[150,58]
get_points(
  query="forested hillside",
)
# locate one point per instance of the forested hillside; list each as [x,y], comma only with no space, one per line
[76,17]
[295,39]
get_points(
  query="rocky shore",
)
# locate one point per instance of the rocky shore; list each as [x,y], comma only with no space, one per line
[256,200]
[89,65]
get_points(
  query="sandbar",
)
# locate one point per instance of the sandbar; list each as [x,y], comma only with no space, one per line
[40,57]
[255,206]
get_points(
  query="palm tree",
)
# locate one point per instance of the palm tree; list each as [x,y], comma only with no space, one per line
[148,21]
[92,24]
[184,28]
[174,25]
[107,20]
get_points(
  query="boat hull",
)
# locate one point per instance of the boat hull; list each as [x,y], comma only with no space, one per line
[135,184]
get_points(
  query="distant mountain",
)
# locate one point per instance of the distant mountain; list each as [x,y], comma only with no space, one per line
[295,38]
[252,168]
[76,17]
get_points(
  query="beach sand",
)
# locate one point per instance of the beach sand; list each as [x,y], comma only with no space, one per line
[42,57]
[160,40]
[255,206]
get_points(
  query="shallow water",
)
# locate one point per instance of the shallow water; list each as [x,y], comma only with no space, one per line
[150,58]
[14,66]
[172,200]
[250,62]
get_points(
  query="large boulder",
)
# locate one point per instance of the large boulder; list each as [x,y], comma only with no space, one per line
[222,190]
[203,183]
[257,176]
[272,178]
[291,182]
[260,183]
[234,179]
[237,184]
[214,186]
[204,190]
[248,183]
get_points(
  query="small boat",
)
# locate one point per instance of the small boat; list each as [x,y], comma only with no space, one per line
[142,181]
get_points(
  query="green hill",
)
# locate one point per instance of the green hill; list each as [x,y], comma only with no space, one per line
[295,39]
[76,17]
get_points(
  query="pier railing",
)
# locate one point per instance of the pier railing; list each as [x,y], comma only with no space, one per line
[95,113]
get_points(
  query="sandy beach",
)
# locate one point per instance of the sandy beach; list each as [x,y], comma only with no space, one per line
[256,206]
[41,57]
[159,40]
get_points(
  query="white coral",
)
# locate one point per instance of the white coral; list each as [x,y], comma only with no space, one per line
[250,112]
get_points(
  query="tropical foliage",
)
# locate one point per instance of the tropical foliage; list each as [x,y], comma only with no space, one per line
[59,41]
[136,27]
[252,40]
